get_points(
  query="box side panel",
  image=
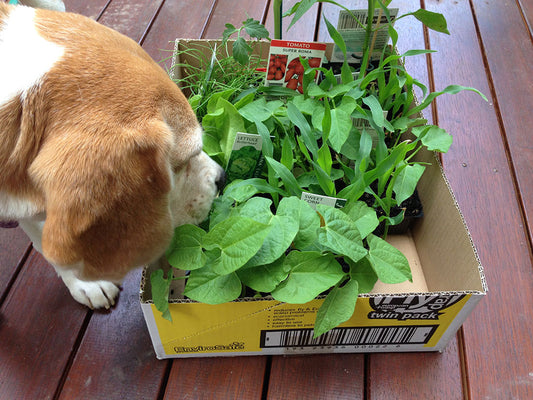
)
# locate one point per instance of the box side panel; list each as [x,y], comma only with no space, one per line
[382,323]
[458,321]
[148,313]
[442,240]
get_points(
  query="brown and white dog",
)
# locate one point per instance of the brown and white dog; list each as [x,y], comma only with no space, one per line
[100,153]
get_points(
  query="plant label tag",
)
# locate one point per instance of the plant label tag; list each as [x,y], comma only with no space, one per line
[314,199]
[360,124]
[284,66]
[353,32]
[245,158]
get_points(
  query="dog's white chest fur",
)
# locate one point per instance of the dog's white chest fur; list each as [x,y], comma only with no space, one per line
[26,56]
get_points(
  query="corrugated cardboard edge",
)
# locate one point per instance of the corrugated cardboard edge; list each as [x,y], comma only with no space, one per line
[473,245]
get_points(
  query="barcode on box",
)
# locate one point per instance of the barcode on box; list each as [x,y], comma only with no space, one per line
[417,334]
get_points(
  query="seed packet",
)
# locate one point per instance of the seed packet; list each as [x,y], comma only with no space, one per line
[284,67]
[245,158]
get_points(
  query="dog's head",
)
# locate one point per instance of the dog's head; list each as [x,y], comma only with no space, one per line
[114,198]
[109,148]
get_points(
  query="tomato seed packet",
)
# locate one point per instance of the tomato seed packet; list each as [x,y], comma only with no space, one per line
[284,66]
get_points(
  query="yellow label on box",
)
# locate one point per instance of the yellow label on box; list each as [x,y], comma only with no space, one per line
[269,325]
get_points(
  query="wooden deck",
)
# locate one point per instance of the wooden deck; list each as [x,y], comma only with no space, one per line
[53,348]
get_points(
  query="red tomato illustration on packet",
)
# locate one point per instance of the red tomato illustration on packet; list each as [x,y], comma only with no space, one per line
[284,66]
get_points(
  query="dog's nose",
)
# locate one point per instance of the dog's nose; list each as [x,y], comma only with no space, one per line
[221,180]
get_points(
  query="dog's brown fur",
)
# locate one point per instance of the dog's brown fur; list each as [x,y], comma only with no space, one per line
[93,146]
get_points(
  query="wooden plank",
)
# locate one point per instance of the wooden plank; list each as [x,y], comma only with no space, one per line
[226,11]
[500,327]
[509,52]
[13,246]
[216,378]
[39,325]
[416,376]
[526,8]
[115,359]
[91,9]
[321,376]
[130,18]
[177,19]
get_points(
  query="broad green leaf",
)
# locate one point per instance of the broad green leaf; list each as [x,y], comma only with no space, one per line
[212,104]
[258,209]
[208,287]
[260,185]
[363,217]
[432,20]
[340,234]
[406,181]
[363,273]
[230,30]
[338,307]
[388,262]
[221,209]
[341,124]
[397,219]
[160,290]
[244,98]
[284,227]
[211,137]
[257,110]
[434,138]
[306,105]
[309,224]
[241,51]
[185,251]
[227,121]
[311,274]
[238,239]
[264,278]
[240,193]
[255,29]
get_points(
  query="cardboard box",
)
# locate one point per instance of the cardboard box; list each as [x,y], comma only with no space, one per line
[448,282]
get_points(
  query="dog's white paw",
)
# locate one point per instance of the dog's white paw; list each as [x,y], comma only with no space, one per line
[95,294]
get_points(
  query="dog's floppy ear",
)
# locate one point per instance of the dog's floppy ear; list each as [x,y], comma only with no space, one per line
[106,201]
